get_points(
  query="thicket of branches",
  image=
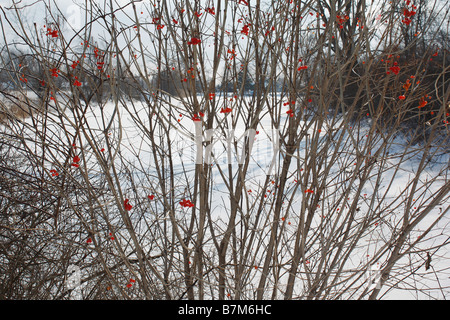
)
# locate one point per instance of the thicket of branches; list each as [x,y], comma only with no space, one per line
[225,150]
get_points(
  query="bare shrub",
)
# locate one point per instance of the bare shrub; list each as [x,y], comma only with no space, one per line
[227,149]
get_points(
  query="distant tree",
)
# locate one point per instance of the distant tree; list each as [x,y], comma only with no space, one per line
[243,82]
[169,82]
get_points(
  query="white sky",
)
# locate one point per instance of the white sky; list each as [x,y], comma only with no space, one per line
[34,12]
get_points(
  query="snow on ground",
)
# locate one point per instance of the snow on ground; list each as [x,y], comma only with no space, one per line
[133,141]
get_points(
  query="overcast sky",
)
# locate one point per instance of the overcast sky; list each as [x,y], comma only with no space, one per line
[34,11]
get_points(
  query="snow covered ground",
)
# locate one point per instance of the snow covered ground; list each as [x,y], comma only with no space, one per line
[382,200]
